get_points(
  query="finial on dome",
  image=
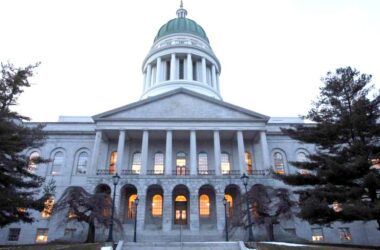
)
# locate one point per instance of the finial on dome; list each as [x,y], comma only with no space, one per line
[181,12]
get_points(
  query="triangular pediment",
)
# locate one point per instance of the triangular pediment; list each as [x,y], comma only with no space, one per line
[181,104]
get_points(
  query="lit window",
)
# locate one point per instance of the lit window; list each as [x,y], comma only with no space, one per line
[345,234]
[248,162]
[48,208]
[317,234]
[131,206]
[113,159]
[136,163]
[225,163]
[42,235]
[157,206]
[158,163]
[13,234]
[202,163]
[278,163]
[57,163]
[69,232]
[71,214]
[204,205]
[181,163]
[180,198]
[32,164]
[229,204]
[82,163]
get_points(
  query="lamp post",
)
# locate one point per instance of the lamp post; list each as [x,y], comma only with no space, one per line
[245,178]
[136,204]
[225,216]
[115,180]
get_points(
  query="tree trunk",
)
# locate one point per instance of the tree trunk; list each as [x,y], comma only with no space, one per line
[91,232]
[269,229]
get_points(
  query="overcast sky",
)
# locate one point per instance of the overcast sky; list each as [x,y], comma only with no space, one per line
[273,53]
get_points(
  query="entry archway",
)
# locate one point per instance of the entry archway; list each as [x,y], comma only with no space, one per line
[181,205]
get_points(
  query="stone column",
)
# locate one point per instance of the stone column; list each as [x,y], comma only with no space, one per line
[149,75]
[95,152]
[204,71]
[168,152]
[213,77]
[144,152]
[217,152]
[194,212]
[145,82]
[141,212]
[264,150]
[220,220]
[217,82]
[241,151]
[120,151]
[172,67]
[189,67]
[167,213]
[158,72]
[193,153]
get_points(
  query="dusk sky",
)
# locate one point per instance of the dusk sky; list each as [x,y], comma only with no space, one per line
[273,52]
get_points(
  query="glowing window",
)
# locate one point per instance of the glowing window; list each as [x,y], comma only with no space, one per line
[71,214]
[131,206]
[345,234]
[158,163]
[278,163]
[248,162]
[180,198]
[48,208]
[136,163]
[157,206]
[202,163]
[181,163]
[229,204]
[113,160]
[32,163]
[42,235]
[225,163]
[204,205]
[317,234]
[82,163]
[57,163]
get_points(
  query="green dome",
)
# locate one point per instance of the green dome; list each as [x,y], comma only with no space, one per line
[181,25]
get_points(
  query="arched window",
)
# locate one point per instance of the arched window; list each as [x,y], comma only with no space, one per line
[82,163]
[180,198]
[131,206]
[204,205]
[279,165]
[158,163]
[113,160]
[202,163]
[136,163]
[32,162]
[248,162]
[229,205]
[181,163]
[57,163]
[225,163]
[157,205]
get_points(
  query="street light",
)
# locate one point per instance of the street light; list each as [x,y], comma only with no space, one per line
[136,204]
[115,180]
[225,216]
[245,178]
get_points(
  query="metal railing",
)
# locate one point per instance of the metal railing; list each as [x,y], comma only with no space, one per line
[154,172]
[104,172]
[231,172]
[181,172]
[129,172]
[206,172]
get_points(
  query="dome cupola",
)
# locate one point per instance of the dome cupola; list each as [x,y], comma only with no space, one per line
[181,57]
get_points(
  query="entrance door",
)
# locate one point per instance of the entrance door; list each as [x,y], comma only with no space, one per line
[180,210]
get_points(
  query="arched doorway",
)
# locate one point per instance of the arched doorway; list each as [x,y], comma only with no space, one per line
[207,207]
[128,197]
[232,195]
[181,205]
[154,207]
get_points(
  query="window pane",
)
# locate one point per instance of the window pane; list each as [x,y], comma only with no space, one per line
[204,205]
[48,208]
[180,198]
[13,234]
[202,162]
[131,206]
[345,234]
[136,163]
[225,163]
[82,163]
[248,162]
[42,235]
[157,206]
[113,159]
[57,163]
[159,163]
[32,164]
[229,204]
[317,234]
[279,163]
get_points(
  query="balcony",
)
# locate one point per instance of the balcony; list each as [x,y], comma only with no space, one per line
[181,172]
[258,172]
[154,172]
[129,172]
[230,172]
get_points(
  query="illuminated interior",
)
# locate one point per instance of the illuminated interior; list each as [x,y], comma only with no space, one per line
[113,159]
[131,204]
[204,205]
[157,205]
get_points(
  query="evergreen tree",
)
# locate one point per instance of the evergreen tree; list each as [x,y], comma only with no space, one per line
[342,180]
[19,187]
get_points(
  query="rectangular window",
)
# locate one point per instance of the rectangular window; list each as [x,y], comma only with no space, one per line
[69,232]
[317,234]
[345,234]
[42,235]
[13,234]
[181,69]
[167,75]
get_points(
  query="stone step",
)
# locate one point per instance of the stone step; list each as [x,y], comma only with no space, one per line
[233,245]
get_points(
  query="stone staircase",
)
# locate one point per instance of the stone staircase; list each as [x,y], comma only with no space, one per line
[232,245]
